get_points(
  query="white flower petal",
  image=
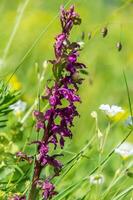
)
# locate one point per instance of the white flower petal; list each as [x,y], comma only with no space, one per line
[111,111]
[18,107]
[125,150]
[97,179]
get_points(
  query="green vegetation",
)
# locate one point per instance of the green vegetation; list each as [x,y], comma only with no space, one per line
[27,34]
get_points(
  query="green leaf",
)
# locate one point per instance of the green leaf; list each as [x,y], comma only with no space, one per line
[7,98]
[5,172]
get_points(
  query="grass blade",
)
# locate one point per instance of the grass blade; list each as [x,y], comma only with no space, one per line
[124,193]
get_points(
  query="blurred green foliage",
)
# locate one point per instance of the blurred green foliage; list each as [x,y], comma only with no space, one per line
[104,84]
[7,98]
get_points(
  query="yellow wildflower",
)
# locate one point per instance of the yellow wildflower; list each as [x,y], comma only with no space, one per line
[14,83]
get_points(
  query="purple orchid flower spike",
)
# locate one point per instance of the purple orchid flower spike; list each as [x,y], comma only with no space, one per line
[66,70]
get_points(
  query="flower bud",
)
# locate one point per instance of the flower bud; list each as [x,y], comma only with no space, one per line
[119,46]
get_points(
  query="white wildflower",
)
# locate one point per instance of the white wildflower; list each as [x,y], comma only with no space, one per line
[18,107]
[97,179]
[125,150]
[129,121]
[111,111]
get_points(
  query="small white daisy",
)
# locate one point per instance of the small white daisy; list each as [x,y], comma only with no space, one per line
[111,111]
[97,179]
[125,149]
[18,107]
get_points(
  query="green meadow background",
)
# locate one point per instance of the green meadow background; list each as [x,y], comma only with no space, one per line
[27,32]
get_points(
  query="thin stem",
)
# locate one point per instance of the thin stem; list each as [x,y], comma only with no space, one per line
[111,153]
[128,95]
[36,175]
[16,26]
[116,179]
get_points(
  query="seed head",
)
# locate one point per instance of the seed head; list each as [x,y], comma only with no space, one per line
[104,32]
